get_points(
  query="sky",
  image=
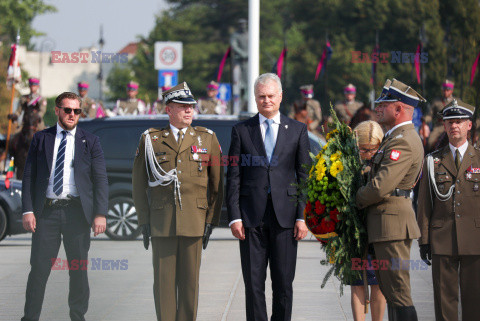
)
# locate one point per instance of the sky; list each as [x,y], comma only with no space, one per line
[76,24]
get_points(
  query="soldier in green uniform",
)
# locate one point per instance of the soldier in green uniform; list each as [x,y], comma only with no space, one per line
[308,110]
[174,168]
[391,222]
[433,115]
[132,105]
[30,104]
[211,104]
[88,105]
[158,107]
[449,217]
[347,108]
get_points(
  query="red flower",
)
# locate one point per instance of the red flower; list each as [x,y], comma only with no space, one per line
[327,226]
[319,208]
[308,207]
[334,215]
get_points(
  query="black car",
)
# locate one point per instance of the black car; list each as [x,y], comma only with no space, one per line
[11,208]
[119,137]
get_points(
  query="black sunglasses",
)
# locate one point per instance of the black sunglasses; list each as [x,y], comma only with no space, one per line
[68,110]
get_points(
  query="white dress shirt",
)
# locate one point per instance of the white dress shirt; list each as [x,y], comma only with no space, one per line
[175,131]
[462,149]
[69,187]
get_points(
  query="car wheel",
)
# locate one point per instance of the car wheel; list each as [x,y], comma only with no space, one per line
[3,224]
[122,220]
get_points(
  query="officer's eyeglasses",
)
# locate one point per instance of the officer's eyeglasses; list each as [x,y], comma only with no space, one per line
[368,150]
[68,110]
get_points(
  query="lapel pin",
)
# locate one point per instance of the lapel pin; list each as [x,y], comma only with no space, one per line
[166,133]
[286,126]
[155,138]
[83,141]
[191,133]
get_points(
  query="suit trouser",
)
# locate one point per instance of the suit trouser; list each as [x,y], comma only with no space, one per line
[446,270]
[176,267]
[71,223]
[394,281]
[268,242]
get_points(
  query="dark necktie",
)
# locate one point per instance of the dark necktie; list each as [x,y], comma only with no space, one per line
[269,139]
[59,165]
[457,159]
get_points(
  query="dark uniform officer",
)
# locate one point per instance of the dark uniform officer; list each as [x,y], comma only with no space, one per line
[391,220]
[347,108]
[88,104]
[433,115]
[308,110]
[211,104]
[173,169]
[132,105]
[449,217]
[31,104]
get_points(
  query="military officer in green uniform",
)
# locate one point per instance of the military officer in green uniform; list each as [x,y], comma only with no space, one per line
[158,107]
[178,194]
[433,116]
[211,104]
[449,217]
[308,110]
[30,104]
[132,105]
[88,105]
[347,108]
[391,222]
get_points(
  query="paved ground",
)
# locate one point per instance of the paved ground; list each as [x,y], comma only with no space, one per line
[127,294]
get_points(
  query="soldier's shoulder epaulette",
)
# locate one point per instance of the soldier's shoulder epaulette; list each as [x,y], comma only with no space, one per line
[152,130]
[203,129]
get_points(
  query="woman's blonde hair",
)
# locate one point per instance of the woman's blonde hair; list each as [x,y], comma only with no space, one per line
[369,133]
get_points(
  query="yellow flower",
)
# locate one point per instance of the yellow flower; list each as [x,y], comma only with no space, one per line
[320,170]
[321,160]
[319,155]
[336,168]
[311,171]
[330,134]
[325,146]
[335,156]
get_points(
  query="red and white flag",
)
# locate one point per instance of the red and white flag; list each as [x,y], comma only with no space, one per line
[13,72]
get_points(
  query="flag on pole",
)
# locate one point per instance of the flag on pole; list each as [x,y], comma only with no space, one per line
[326,55]
[222,64]
[375,53]
[417,62]
[9,174]
[13,72]
[278,67]
[474,69]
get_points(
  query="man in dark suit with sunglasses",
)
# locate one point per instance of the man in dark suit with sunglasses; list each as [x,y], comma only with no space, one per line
[64,193]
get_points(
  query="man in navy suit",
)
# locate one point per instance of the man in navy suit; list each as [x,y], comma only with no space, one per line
[64,192]
[264,211]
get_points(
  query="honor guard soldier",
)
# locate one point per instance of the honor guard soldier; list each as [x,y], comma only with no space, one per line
[211,104]
[435,110]
[308,110]
[158,107]
[88,105]
[449,217]
[178,194]
[132,105]
[347,108]
[391,223]
[30,104]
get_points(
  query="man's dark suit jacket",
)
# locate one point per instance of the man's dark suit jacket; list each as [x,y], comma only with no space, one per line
[248,180]
[88,167]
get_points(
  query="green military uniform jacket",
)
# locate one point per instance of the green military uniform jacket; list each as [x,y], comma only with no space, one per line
[345,111]
[396,164]
[133,106]
[314,113]
[451,227]
[201,183]
[89,108]
[207,105]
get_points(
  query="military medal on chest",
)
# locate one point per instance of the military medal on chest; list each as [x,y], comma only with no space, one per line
[196,157]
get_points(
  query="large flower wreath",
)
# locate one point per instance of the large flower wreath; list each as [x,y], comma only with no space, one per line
[330,211]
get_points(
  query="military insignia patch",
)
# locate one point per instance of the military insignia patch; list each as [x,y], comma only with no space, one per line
[436,160]
[473,170]
[468,175]
[154,138]
[395,155]
[195,149]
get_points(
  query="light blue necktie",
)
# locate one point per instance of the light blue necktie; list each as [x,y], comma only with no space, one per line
[59,165]
[269,139]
